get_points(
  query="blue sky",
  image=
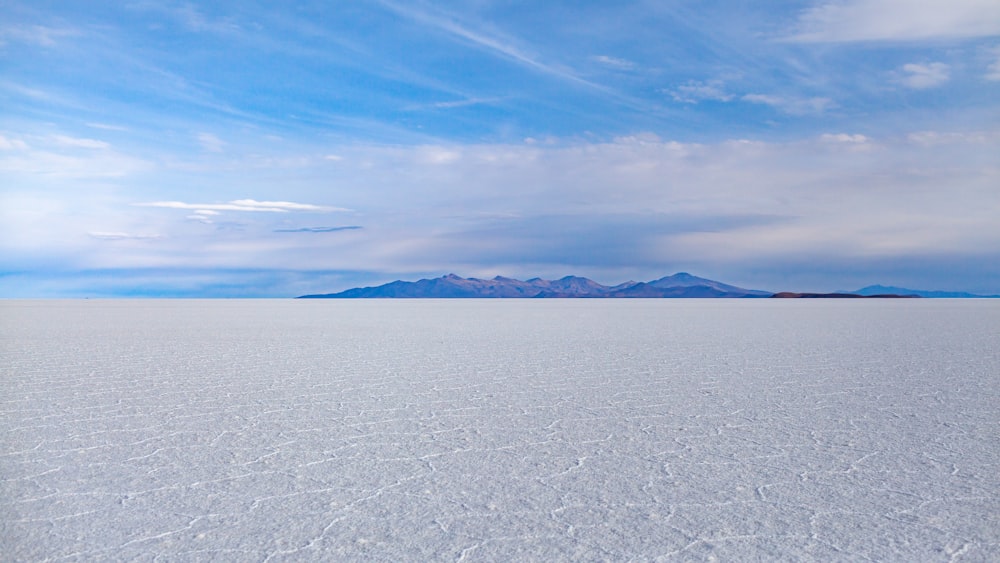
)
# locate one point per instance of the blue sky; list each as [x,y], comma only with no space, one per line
[269,149]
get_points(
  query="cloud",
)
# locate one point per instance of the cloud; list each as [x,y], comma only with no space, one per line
[584,207]
[35,34]
[210,142]
[107,127]
[203,216]
[242,205]
[122,236]
[464,103]
[695,91]
[97,161]
[492,42]
[636,207]
[922,76]
[318,229]
[194,20]
[993,70]
[844,138]
[897,20]
[453,104]
[792,105]
[943,138]
[79,143]
[189,17]
[8,144]
[614,62]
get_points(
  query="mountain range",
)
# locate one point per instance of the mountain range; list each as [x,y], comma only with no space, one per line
[680,285]
[452,286]
[883,289]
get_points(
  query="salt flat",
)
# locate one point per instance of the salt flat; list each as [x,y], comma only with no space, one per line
[500,430]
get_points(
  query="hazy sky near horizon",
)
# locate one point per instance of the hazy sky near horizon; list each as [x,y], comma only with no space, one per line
[270,149]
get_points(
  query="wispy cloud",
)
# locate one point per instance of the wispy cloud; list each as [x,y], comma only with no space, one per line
[897,20]
[318,229]
[189,16]
[61,157]
[792,105]
[210,142]
[77,142]
[923,76]
[243,205]
[35,34]
[122,236]
[844,138]
[107,127]
[492,42]
[614,62]
[455,103]
[8,144]
[195,20]
[993,70]
[696,91]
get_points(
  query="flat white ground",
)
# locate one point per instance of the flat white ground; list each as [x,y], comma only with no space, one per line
[541,430]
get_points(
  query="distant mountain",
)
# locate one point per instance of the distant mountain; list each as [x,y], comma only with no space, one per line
[882,289]
[681,285]
[839,295]
[684,279]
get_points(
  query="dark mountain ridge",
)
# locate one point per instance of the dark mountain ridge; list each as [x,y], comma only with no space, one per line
[680,285]
[883,289]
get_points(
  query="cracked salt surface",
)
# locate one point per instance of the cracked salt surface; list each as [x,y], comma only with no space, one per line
[500,430]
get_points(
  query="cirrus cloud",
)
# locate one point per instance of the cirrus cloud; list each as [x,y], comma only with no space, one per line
[897,20]
[318,229]
[102,235]
[792,105]
[923,76]
[244,205]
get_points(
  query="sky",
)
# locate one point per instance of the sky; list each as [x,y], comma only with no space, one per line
[265,149]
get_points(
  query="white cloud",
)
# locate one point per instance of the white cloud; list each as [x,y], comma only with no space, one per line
[37,164]
[197,21]
[937,138]
[897,20]
[843,138]
[241,205]
[614,62]
[79,143]
[210,142]
[451,104]
[107,127]
[695,91]
[122,236]
[464,103]
[792,105]
[12,144]
[286,205]
[993,70]
[35,34]
[488,40]
[440,155]
[922,76]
